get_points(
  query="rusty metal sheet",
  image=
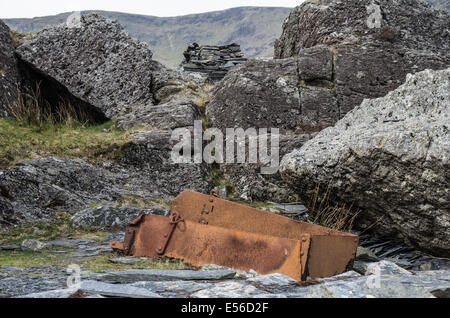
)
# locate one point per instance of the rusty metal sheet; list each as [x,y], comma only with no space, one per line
[204,229]
[200,244]
[332,252]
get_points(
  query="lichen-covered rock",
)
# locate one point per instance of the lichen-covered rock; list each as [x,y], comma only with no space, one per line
[112,217]
[34,245]
[372,46]
[260,94]
[389,157]
[171,115]
[6,211]
[386,268]
[9,75]
[97,61]
[150,153]
[248,182]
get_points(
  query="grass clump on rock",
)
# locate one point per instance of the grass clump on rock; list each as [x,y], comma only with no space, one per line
[20,142]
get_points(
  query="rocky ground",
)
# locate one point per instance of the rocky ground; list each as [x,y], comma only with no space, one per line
[43,269]
[363,112]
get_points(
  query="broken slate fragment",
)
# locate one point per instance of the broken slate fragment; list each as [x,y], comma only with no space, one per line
[133,276]
[35,245]
[386,268]
[59,293]
[124,260]
[98,288]
[366,255]
[9,248]
[110,217]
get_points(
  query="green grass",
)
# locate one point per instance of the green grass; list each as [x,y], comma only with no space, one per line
[263,205]
[102,263]
[24,260]
[97,264]
[137,202]
[219,179]
[19,142]
[59,228]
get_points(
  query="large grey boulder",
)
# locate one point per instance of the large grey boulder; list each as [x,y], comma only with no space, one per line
[389,157]
[9,75]
[97,61]
[261,94]
[372,46]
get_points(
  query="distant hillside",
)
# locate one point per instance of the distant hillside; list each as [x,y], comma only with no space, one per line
[441,4]
[255,28]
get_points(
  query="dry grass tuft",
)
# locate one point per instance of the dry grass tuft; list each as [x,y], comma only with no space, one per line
[31,110]
[338,217]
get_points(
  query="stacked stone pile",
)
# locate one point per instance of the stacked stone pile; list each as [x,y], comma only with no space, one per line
[216,61]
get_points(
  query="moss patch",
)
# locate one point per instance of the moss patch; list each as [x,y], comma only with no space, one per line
[102,263]
[60,228]
[97,264]
[25,260]
[138,202]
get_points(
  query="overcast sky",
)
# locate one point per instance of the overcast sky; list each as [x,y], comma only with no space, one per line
[162,8]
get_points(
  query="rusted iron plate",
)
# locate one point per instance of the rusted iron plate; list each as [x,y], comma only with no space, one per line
[331,255]
[236,216]
[200,244]
[331,251]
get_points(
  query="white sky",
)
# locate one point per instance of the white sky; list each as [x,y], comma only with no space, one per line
[162,8]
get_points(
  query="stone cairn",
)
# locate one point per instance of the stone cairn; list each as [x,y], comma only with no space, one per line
[215,61]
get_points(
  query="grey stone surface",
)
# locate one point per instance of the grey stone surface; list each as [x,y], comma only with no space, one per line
[315,63]
[386,268]
[6,211]
[9,75]
[126,291]
[35,245]
[9,248]
[133,276]
[215,61]
[360,267]
[97,61]
[124,260]
[22,283]
[358,47]
[112,217]
[389,158]
[384,286]
[60,293]
[174,289]
[260,94]
[248,181]
[231,289]
[272,279]
[171,115]
[365,255]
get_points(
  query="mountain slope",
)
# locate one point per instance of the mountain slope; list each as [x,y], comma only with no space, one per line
[254,28]
[440,4]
